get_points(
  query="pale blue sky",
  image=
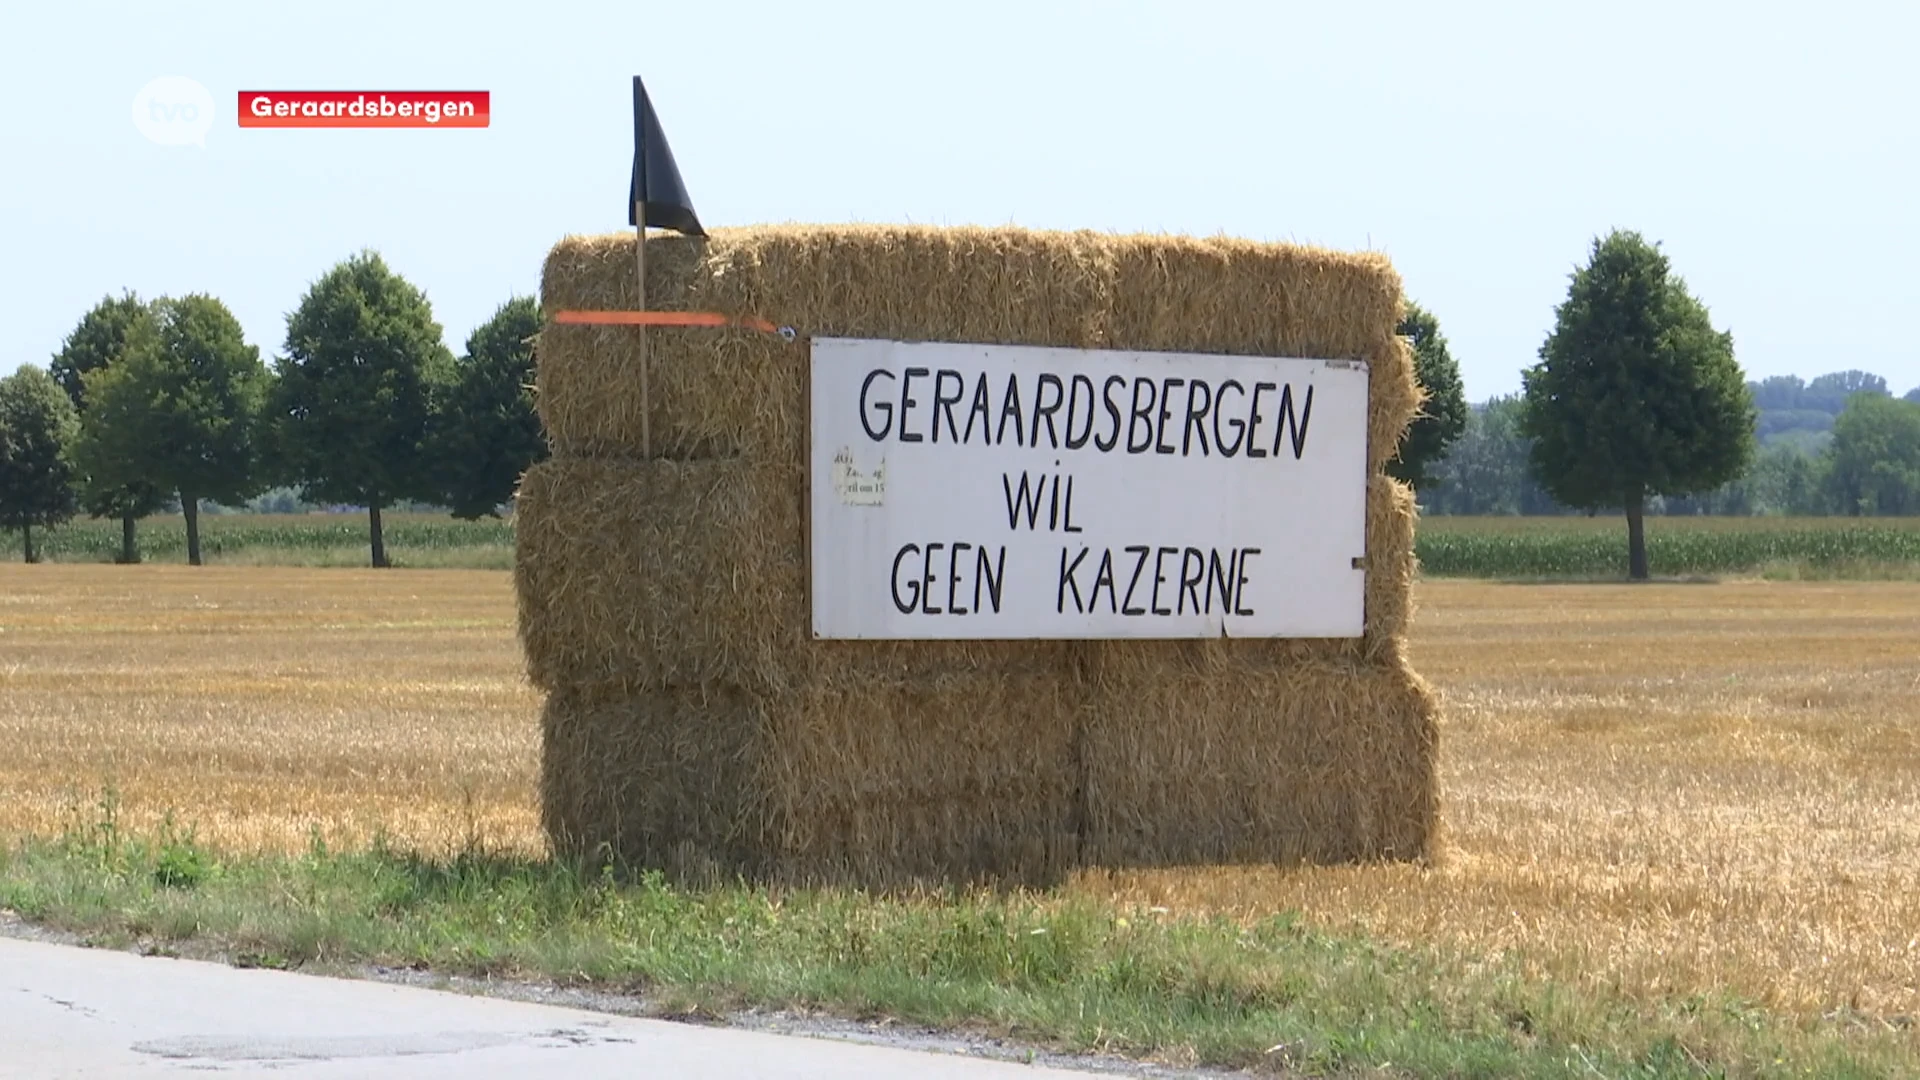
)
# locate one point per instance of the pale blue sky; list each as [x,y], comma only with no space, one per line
[1772,148]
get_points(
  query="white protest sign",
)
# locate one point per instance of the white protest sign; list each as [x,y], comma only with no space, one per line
[993,491]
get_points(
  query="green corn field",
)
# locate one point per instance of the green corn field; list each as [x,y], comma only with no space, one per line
[1579,547]
[293,538]
[1510,547]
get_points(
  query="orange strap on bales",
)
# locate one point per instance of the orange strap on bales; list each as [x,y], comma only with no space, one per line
[666,318]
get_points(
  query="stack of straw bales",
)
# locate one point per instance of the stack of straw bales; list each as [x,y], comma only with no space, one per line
[693,723]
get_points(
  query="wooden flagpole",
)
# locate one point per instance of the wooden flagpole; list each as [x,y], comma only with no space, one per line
[640,292]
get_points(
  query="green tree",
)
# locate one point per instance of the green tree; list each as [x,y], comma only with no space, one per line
[37,428]
[1784,481]
[1779,392]
[1831,391]
[1912,396]
[1485,470]
[180,411]
[1873,463]
[364,366]
[98,343]
[1636,394]
[1444,416]
[486,433]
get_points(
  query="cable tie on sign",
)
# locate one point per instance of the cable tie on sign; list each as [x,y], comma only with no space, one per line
[672,318]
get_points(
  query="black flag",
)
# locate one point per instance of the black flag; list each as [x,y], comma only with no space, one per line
[656,179]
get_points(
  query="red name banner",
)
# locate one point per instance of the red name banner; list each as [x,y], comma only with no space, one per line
[364,108]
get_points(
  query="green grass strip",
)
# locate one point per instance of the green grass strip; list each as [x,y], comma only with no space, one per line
[1054,970]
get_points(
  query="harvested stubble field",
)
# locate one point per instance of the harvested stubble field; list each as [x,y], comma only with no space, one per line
[1657,791]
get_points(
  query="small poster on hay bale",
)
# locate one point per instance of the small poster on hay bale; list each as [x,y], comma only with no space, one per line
[1030,551]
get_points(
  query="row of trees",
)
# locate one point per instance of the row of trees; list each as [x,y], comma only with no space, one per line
[1825,394]
[1636,404]
[149,402]
[1804,413]
[1869,465]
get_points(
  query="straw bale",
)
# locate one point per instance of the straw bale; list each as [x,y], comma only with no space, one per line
[1208,752]
[692,721]
[725,393]
[639,574]
[717,393]
[882,782]
[1391,567]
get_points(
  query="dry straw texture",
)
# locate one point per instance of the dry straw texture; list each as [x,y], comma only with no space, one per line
[1203,754]
[693,723]
[879,780]
[720,394]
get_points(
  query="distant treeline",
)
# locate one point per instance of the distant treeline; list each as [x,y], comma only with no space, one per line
[164,406]
[1637,404]
[1840,444]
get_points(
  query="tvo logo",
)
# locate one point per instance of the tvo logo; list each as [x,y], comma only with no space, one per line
[174,111]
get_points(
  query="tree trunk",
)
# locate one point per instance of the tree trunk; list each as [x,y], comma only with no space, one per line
[129,547]
[1637,538]
[190,506]
[26,534]
[379,542]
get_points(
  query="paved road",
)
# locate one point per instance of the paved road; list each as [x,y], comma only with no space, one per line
[73,1012]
